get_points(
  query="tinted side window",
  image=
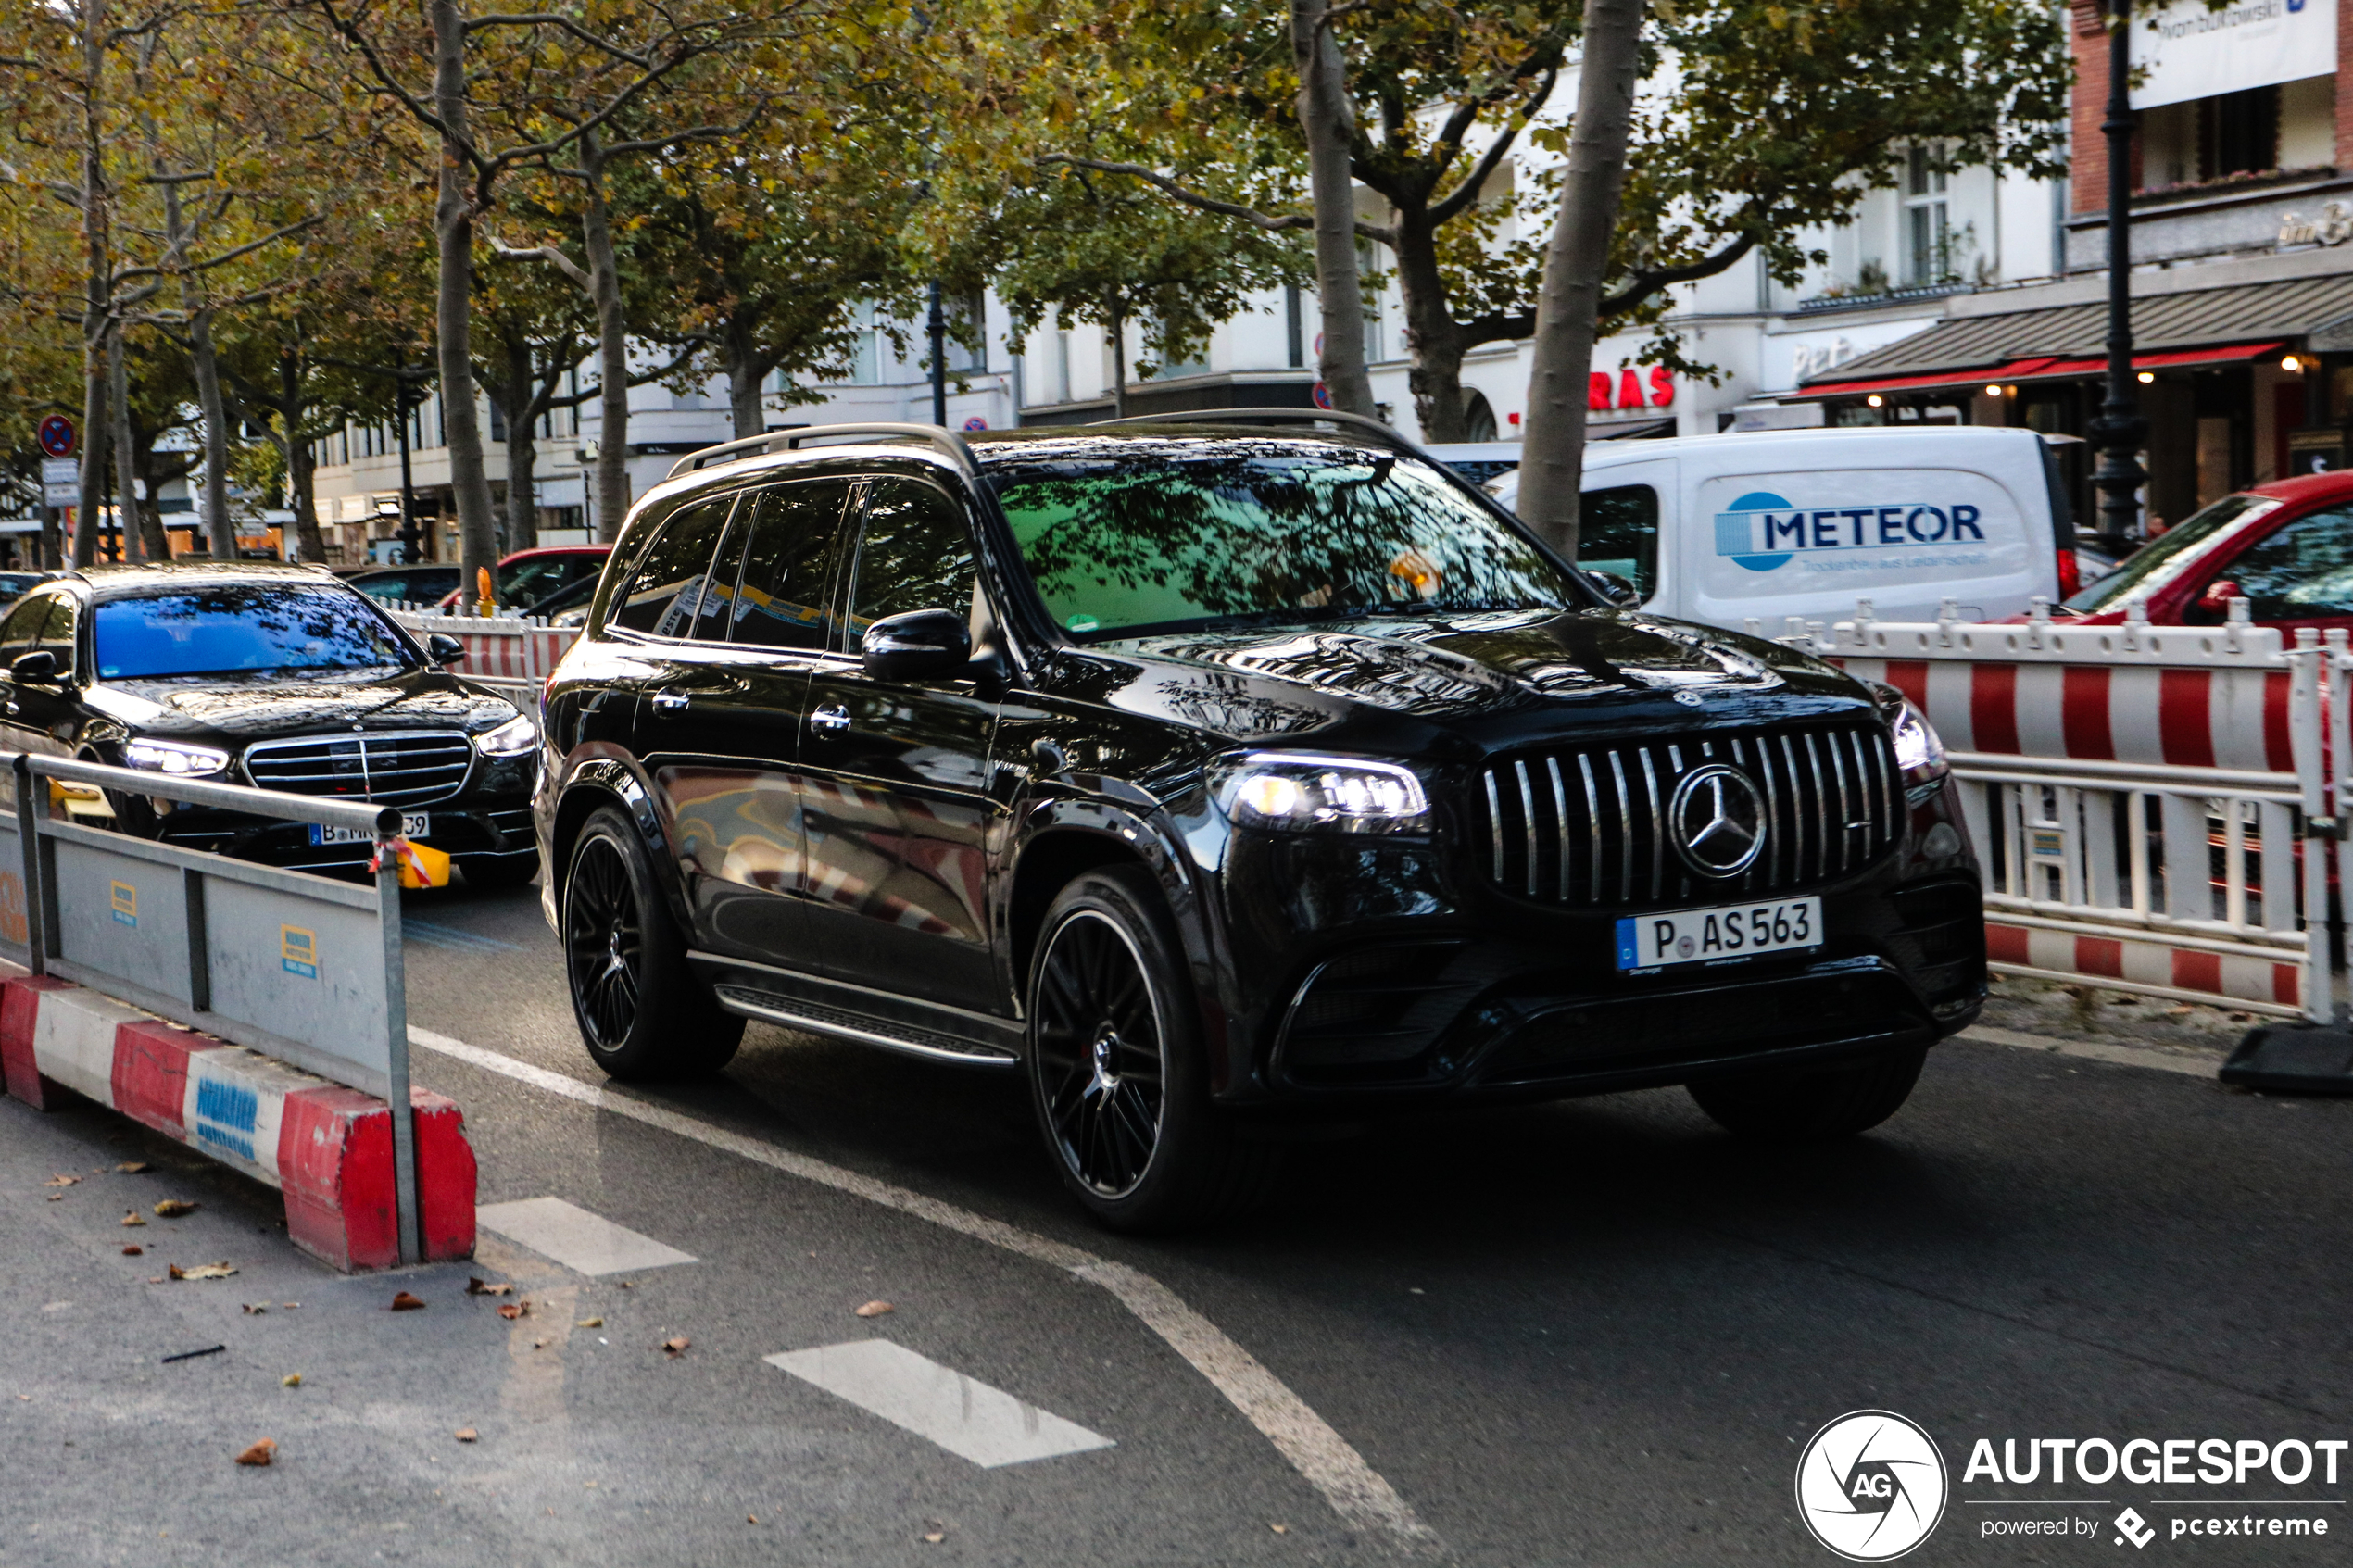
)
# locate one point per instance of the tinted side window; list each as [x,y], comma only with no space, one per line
[21,630]
[915,553]
[667,589]
[2302,572]
[1618,531]
[57,630]
[785,601]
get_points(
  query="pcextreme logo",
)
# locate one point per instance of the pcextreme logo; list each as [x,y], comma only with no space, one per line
[1871,1486]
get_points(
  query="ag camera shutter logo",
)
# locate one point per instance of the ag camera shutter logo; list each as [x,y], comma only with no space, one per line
[1871,1486]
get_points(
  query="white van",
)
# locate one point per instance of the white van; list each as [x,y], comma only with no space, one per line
[1768,524]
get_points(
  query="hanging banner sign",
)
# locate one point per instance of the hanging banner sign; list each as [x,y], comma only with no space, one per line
[2187,50]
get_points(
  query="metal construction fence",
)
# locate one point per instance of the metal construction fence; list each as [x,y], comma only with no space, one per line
[512,653]
[2152,804]
[302,968]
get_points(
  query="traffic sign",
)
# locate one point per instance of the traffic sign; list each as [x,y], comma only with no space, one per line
[1320,394]
[64,493]
[58,437]
[58,471]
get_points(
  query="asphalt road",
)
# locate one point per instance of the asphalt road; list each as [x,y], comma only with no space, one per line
[1595,1333]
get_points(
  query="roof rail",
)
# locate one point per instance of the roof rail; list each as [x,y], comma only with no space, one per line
[939,436]
[1265,416]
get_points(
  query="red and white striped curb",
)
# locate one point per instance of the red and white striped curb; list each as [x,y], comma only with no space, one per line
[327,1148]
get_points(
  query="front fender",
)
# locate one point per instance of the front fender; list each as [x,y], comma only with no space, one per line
[600,775]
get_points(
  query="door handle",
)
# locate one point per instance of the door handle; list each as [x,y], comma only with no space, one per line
[670,702]
[830,720]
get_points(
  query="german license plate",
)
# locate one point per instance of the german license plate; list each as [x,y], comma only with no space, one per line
[1734,931]
[414,824]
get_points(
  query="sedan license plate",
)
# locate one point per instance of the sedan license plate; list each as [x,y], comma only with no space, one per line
[1734,930]
[414,824]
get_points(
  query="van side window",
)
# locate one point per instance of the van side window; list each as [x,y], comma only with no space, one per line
[1618,531]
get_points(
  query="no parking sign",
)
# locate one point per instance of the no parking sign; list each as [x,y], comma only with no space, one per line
[58,438]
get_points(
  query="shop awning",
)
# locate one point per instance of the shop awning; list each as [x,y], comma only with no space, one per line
[2223,325]
[2045,368]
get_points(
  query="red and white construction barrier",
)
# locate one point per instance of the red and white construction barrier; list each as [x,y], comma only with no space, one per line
[499,649]
[2141,796]
[327,1148]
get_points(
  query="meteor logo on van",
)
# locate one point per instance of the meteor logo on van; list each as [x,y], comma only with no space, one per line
[1763,531]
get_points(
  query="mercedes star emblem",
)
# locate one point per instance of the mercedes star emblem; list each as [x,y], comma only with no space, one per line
[1716,820]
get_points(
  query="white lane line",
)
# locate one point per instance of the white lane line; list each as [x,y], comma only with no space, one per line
[1328,1461]
[582,1242]
[964,1415]
[2126,1055]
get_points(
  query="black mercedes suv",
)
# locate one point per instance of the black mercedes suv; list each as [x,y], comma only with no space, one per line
[277,676]
[1221,772]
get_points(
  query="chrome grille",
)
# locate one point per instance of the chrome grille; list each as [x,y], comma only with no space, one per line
[398,768]
[1586,825]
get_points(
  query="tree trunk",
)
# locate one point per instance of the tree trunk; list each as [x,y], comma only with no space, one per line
[613,350]
[517,397]
[220,527]
[1576,266]
[299,464]
[453,304]
[99,291]
[744,376]
[1435,375]
[131,529]
[1328,120]
[1116,313]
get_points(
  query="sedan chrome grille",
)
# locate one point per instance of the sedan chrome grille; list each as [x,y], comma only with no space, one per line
[1587,825]
[411,768]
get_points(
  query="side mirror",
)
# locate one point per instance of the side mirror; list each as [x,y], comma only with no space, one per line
[442,648]
[1615,589]
[923,645]
[39,667]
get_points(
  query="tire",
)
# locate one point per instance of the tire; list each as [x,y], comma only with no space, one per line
[641,1011]
[489,871]
[1833,1102]
[1117,1068]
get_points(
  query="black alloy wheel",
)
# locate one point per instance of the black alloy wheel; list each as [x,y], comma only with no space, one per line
[1099,1054]
[1115,1065]
[641,1010]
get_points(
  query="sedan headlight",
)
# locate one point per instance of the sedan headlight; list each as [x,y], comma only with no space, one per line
[172,757]
[513,738]
[1288,790]
[1919,756]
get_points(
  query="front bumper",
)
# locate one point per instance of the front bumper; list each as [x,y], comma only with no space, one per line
[472,828]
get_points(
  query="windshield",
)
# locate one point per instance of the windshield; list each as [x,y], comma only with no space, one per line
[239,627]
[2157,562]
[1172,543]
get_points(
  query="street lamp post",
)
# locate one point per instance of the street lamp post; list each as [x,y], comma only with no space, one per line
[2120,431]
[938,328]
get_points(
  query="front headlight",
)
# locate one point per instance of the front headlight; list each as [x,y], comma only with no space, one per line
[1291,791]
[172,757]
[514,737]
[1919,756]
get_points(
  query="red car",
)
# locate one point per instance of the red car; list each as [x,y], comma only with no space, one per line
[526,577]
[2288,547]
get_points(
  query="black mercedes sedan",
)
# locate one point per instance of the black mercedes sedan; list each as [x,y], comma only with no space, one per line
[1212,775]
[276,676]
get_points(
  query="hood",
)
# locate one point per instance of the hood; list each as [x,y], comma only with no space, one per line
[237,708]
[1494,679]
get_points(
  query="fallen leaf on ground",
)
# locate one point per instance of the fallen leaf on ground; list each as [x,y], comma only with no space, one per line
[483,1287]
[56,1197]
[751,1519]
[260,1454]
[134,1218]
[590,1323]
[875,1309]
[154,1279]
[62,1181]
[255,1309]
[629,1284]
[539,1344]
[465,1434]
[2182,1011]
[511,1311]
[172,1207]
[292,1380]
[935,1536]
[134,1167]
[676,1347]
[404,1302]
[134,1251]
[1279,1530]
[202,1271]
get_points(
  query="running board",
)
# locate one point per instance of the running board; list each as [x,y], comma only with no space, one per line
[795,1014]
